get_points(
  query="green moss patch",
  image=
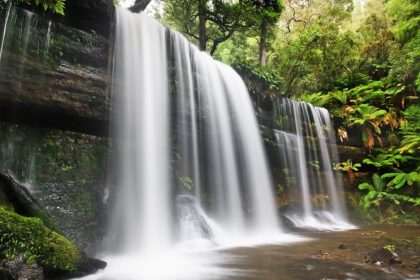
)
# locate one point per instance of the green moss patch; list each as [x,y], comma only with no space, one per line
[31,238]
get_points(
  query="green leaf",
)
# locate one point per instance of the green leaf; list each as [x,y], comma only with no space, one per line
[389,175]
[366,186]
[413,177]
[399,180]
[378,183]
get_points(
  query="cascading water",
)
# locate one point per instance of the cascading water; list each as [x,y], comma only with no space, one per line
[6,21]
[189,163]
[216,154]
[141,100]
[307,150]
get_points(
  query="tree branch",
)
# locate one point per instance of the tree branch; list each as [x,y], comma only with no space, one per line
[294,19]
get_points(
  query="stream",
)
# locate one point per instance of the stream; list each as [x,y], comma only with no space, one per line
[333,255]
[312,255]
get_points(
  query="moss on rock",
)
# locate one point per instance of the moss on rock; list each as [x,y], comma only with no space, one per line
[30,238]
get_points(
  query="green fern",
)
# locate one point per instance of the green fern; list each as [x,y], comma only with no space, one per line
[366,186]
[366,113]
[318,99]
[377,194]
[378,183]
[340,96]
[410,143]
[387,158]
[400,179]
[57,6]
[411,130]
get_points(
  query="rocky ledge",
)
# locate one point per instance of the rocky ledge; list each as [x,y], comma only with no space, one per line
[54,75]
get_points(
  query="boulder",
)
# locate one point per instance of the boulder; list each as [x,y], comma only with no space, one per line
[19,269]
[191,219]
[89,266]
[381,256]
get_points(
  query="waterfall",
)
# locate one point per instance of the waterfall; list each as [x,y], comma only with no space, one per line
[307,150]
[189,167]
[18,28]
[6,21]
[184,126]
[141,101]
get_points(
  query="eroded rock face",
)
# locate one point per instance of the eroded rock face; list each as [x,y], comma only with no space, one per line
[64,171]
[90,15]
[97,15]
[54,75]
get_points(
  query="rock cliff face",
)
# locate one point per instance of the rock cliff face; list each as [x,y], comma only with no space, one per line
[64,171]
[56,75]
[55,72]
[97,15]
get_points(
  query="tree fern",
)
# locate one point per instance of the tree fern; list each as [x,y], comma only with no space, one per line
[317,99]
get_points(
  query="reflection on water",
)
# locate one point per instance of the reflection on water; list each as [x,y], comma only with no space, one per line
[322,258]
[318,258]
[199,259]
[170,266]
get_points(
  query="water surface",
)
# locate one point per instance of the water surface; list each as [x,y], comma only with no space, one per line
[316,255]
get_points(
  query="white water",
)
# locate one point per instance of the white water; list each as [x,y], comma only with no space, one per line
[141,218]
[6,21]
[190,175]
[307,149]
[213,134]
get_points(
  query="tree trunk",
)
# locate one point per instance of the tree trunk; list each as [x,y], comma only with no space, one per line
[263,42]
[202,31]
